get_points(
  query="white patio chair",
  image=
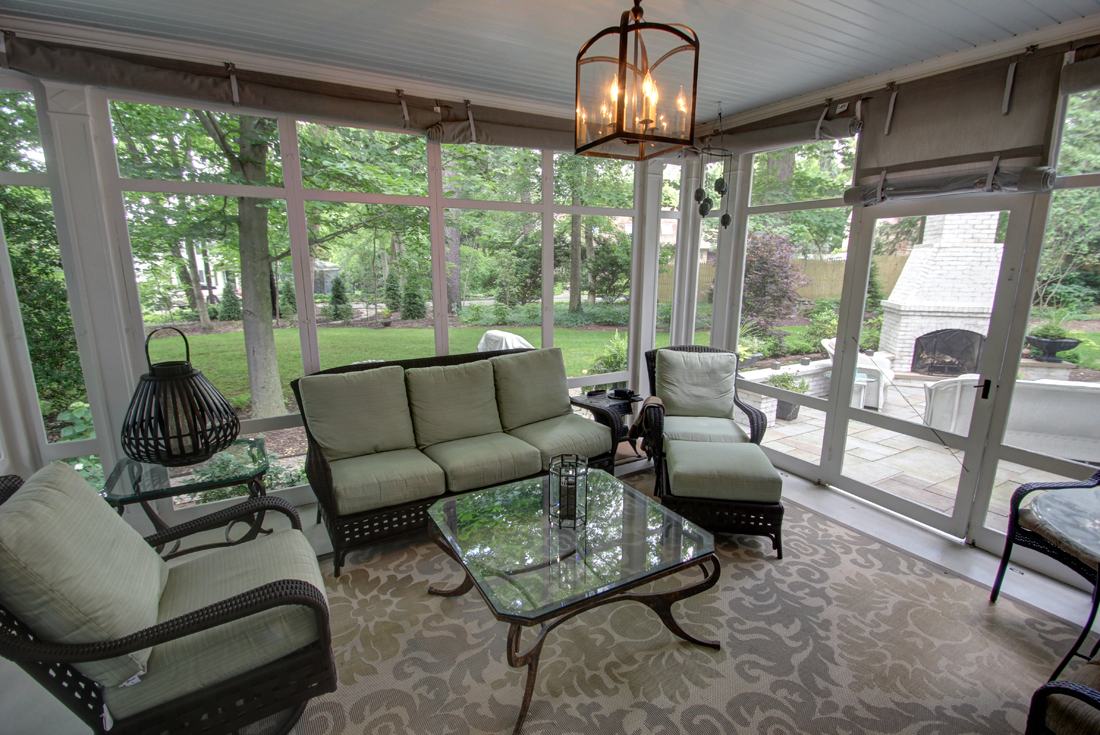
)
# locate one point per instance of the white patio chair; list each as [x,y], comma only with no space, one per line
[878,371]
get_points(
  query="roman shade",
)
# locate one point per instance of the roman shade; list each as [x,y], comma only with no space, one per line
[988,127]
[1083,74]
[225,85]
[832,121]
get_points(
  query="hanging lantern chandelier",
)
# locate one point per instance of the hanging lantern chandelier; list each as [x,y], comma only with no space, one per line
[636,89]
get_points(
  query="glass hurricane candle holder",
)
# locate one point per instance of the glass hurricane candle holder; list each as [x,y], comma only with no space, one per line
[569,491]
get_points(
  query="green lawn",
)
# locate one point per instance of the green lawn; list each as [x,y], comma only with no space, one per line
[1090,351]
[221,357]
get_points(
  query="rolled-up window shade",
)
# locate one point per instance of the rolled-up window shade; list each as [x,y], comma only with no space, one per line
[786,136]
[1081,76]
[496,134]
[960,118]
[1035,178]
[209,84]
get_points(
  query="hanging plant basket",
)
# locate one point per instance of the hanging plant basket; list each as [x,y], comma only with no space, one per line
[176,416]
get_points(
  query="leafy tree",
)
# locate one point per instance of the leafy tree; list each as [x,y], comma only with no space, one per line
[770,278]
[338,301]
[609,264]
[813,171]
[43,298]
[230,308]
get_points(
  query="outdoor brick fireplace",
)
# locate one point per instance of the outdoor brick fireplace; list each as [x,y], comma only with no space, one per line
[948,283]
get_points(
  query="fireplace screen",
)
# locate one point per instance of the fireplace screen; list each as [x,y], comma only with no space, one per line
[948,352]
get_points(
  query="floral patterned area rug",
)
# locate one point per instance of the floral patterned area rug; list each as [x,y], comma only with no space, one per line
[844,635]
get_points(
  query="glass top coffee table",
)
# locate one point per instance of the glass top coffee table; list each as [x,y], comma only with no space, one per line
[530,572]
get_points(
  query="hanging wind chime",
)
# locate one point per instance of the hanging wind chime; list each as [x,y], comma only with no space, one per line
[721,187]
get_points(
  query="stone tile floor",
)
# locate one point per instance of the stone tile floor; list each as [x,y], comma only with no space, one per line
[911,468]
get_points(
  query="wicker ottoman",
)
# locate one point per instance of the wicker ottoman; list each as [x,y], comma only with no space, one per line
[725,488]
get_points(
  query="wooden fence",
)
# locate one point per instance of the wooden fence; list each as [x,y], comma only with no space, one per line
[826,277]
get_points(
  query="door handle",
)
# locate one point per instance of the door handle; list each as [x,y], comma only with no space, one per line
[985,385]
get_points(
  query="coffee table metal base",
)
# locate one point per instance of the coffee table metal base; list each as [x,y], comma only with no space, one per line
[659,602]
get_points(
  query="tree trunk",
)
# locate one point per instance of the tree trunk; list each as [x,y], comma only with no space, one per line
[590,251]
[575,246]
[198,298]
[259,332]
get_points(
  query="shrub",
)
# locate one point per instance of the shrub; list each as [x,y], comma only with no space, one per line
[788,381]
[287,304]
[771,277]
[230,309]
[338,301]
[500,314]
[874,289]
[1049,330]
[412,305]
[212,311]
[612,360]
[824,321]
[393,292]
[871,334]
[473,314]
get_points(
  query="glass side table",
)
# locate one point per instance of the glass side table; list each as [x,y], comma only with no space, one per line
[244,463]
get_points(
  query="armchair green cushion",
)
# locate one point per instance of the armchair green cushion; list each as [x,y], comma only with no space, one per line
[703,429]
[70,564]
[697,383]
[570,434]
[531,387]
[452,402]
[387,478]
[357,413]
[196,661]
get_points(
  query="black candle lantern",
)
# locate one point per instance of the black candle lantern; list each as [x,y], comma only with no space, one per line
[569,490]
[176,416]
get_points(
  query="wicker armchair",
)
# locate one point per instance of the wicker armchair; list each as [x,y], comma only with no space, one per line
[1020,532]
[653,419]
[275,690]
[1069,706]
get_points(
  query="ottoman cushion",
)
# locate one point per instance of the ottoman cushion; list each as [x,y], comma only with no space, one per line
[738,472]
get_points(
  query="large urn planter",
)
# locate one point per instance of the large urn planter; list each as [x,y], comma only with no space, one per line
[1049,348]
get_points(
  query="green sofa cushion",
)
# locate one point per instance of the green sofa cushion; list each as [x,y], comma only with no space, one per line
[452,402]
[704,429]
[201,659]
[739,472]
[697,383]
[72,569]
[530,387]
[482,461]
[357,413]
[385,479]
[565,435]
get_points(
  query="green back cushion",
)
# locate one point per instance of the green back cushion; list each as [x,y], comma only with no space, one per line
[530,387]
[452,402]
[358,413]
[74,571]
[696,383]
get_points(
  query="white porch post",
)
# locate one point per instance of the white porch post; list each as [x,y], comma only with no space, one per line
[91,262]
[729,277]
[643,270]
[686,276]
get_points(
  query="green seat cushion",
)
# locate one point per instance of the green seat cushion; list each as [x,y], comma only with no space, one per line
[703,429]
[362,412]
[697,383]
[452,402]
[210,656]
[481,461]
[530,387]
[738,472]
[384,479]
[75,572]
[570,434]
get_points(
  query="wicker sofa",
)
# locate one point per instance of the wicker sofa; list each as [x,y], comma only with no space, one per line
[387,439]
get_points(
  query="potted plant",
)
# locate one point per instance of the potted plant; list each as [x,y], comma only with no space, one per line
[785,410]
[385,315]
[1050,338]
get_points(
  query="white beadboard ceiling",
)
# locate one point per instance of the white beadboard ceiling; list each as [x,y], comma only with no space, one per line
[753,52]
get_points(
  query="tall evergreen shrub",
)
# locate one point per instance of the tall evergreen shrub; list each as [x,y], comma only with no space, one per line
[393,292]
[230,307]
[341,307]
